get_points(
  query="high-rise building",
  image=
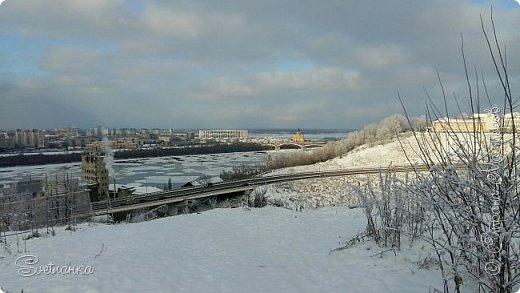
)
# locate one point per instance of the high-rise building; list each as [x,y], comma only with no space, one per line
[190,135]
[3,139]
[19,138]
[94,171]
[91,132]
[103,131]
[118,132]
[32,140]
[29,138]
[26,138]
[130,131]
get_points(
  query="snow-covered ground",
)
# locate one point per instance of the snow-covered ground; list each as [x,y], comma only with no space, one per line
[235,250]
[336,190]
[320,192]
[366,156]
[222,250]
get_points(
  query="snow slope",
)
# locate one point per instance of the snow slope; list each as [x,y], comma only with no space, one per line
[320,192]
[222,250]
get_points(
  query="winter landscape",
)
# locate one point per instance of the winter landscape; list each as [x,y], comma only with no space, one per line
[232,250]
[224,250]
[259,146]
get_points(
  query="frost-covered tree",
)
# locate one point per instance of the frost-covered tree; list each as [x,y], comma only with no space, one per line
[472,193]
[467,205]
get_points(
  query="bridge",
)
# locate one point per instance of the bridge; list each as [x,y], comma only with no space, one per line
[179,198]
[302,145]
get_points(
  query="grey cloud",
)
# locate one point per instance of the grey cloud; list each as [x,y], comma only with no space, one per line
[243,63]
[264,84]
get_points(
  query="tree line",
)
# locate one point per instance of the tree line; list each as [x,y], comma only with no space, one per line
[375,133]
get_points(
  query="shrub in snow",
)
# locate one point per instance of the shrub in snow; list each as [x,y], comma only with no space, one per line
[104,219]
[243,172]
[466,206]
[390,210]
[257,198]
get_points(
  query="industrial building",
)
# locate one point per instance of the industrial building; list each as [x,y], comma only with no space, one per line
[93,171]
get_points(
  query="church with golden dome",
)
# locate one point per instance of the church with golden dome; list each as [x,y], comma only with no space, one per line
[298,136]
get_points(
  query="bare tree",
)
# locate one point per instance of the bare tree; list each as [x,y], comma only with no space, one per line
[467,205]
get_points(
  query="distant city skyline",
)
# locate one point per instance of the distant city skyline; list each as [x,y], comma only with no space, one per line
[241,64]
[183,129]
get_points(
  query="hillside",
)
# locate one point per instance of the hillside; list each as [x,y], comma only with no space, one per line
[222,250]
[320,192]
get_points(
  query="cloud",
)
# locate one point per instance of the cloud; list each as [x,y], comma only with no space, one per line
[187,64]
[265,84]
[380,57]
[321,79]
[187,24]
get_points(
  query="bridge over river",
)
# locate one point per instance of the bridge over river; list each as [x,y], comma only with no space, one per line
[277,145]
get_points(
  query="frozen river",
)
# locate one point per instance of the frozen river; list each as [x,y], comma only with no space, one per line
[151,174]
[146,174]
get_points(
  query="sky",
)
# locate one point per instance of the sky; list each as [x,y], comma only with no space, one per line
[240,63]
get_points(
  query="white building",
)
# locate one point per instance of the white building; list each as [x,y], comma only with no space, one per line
[29,138]
[488,120]
[241,134]
[509,121]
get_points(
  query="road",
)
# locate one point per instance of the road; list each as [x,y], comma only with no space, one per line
[155,199]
